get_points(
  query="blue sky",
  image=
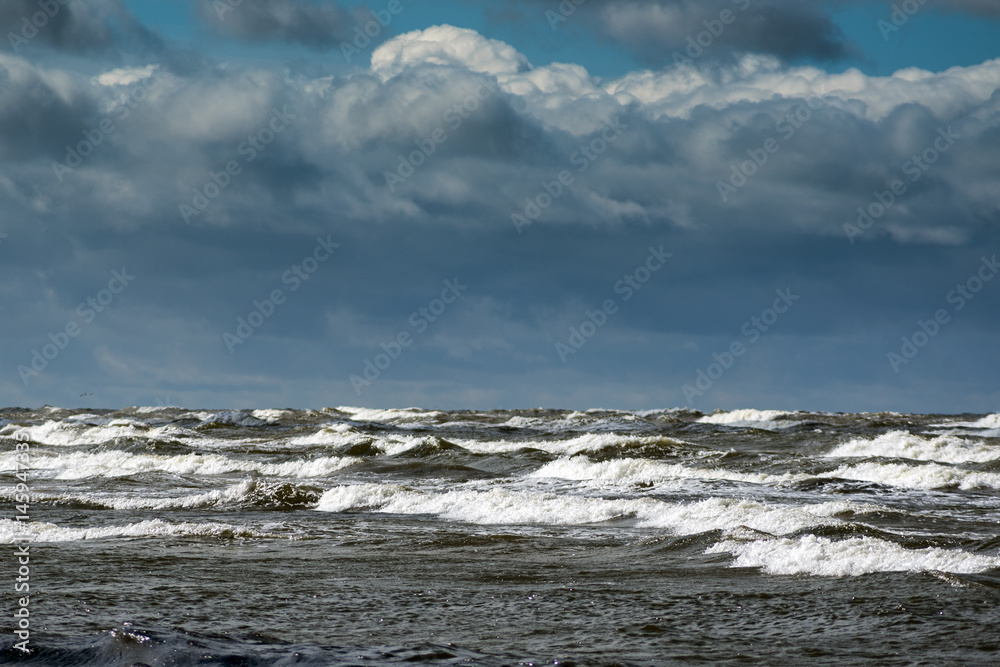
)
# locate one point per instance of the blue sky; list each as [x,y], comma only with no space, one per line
[478,210]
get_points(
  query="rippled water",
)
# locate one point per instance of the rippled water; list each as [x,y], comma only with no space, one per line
[167,536]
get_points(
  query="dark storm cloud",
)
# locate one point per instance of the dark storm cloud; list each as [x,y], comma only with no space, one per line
[318,25]
[38,115]
[656,30]
[75,27]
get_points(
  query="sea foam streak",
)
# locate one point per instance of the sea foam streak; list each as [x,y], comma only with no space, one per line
[853,556]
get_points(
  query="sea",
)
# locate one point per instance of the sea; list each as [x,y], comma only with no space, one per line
[352,536]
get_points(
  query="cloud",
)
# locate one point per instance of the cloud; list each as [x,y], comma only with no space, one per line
[39,109]
[320,26]
[448,45]
[507,129]
[481,134]
[75,27]
[660,32]
[718,29]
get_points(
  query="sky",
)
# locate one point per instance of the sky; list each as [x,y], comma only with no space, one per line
[633,204]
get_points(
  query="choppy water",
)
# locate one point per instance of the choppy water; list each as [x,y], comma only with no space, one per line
[168,536]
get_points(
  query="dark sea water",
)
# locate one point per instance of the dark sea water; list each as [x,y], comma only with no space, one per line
[167,536]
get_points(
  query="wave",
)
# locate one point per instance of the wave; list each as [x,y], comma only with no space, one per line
[853,557]
[248,493]
[81,465]
[93,430]
[586,443]
[331,434]
[928,476]
[505,506]
[405,415]
[987,427]
[989,421]
[17,531]
[904,445]
[770,420]
[643,471]
[244,418]
[591,421]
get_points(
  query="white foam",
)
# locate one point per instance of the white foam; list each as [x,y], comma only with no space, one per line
[517,421]
[635,471]
[987,427]
[331,434]
[234,418]
[505,506]
[749,418]
[79,432]
[340,435]
[904,445]
[17,531]
[81,465]
[854,556]
[732,513]
[620,420]
[496,506]
[989,421]
[391,416]
[234,494]
[271,416]
[928,476]
[587,442]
